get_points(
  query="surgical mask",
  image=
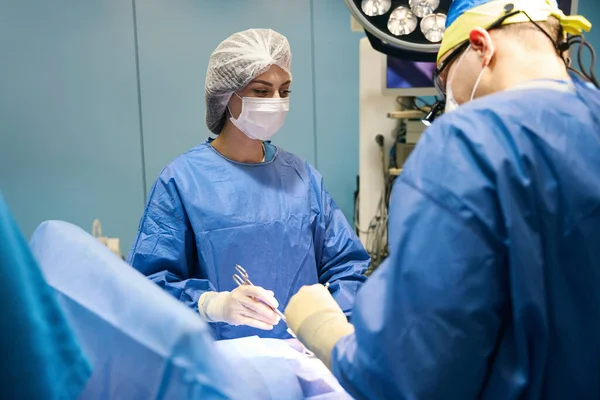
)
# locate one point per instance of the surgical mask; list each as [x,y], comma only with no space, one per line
[261,117]
[451,103]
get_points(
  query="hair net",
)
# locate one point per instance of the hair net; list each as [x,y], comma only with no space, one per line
[236,61]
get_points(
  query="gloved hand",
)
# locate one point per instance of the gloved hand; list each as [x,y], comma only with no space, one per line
[242,306]
[317,320]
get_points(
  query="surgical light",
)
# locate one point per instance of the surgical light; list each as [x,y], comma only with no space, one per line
[423,8]
[402,22]
[374,8]
[433,27]
[405,29]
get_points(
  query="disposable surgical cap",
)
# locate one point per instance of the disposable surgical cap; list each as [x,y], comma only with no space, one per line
[465,15]
[236,62]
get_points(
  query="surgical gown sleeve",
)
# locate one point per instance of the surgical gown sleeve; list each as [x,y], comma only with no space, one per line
[40,357]
[165,248]
[427,322]
[342,258]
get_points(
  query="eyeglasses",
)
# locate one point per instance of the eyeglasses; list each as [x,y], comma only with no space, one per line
[439,79]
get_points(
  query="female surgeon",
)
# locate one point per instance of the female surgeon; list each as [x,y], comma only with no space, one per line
[240,200]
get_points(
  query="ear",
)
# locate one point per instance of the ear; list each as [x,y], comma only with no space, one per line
[234,106]
[482,43]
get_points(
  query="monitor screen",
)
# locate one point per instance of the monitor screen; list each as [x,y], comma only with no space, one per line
[403,74]
[565,6]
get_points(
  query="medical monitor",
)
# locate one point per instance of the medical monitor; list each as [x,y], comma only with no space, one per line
[568,6]
[410,78]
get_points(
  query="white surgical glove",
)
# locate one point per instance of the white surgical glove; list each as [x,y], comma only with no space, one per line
[242,306]
[317,320]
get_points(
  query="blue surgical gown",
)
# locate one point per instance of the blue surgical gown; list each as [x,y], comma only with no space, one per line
[492,286]
[39,356]
[206,213]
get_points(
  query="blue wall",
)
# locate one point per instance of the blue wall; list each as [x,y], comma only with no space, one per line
[69,126]
[98,96]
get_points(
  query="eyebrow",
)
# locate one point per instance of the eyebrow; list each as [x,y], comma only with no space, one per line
[269,83]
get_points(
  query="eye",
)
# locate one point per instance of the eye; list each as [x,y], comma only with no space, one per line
[285,93]
[260,92]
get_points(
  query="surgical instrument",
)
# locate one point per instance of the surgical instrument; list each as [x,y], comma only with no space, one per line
[242,278]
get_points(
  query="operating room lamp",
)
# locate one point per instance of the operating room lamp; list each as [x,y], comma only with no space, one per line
[405,29]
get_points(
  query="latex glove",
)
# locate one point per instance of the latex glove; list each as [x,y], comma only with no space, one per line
[242,306]
[317,320]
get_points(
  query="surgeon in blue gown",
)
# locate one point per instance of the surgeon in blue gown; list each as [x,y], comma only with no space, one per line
[39,355]
[492,286]
[238,199]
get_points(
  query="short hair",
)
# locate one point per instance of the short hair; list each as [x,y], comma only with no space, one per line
[551,27]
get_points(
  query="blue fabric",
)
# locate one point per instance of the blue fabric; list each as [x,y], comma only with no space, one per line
[458,8]
[270,150]
[491,287]
[205,214]
[40,358]
[270,357]
[142,343]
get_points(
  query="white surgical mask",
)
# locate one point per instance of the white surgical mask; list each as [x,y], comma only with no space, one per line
[451,103]
[261,117]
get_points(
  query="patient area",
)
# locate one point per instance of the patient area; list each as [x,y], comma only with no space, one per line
[143,344]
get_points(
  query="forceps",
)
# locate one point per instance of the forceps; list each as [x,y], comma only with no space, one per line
[241,278]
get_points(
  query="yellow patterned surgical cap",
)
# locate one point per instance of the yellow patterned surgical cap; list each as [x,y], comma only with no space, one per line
[462,19]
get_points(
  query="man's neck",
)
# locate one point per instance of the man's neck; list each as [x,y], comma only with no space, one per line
[235,145]
[527,69]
